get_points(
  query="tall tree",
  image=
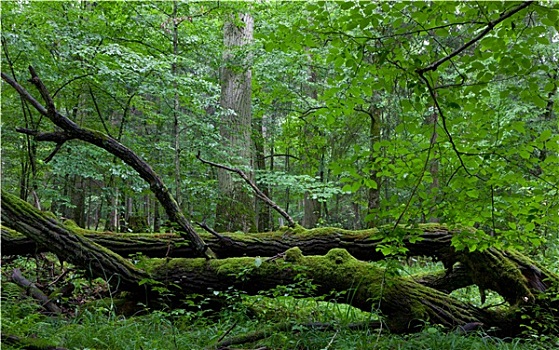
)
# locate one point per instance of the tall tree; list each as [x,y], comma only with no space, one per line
[235,209]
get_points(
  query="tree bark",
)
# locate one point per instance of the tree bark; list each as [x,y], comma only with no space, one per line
[373,195]
[434,241]
[264,216]
[405,302]
[35,292]
[236,209]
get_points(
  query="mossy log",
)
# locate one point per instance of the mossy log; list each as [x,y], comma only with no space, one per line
[429,240]
[96,260]
[403,302]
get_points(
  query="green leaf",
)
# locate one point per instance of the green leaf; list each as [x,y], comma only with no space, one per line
[545,135]
[370,183]
[472,193]
[524,154]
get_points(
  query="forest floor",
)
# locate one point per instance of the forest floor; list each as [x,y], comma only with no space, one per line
[278,319]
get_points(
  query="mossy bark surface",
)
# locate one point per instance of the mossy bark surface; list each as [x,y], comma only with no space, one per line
[48,232]
[431,240]
[404,302]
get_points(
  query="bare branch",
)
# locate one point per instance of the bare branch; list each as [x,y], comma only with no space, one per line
[257,191]
[34,291]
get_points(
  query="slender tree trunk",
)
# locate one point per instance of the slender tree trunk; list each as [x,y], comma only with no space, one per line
[311,206]
[156,218]
[236,208]
[176,106]
[373,195]
[263,210]
[434,163]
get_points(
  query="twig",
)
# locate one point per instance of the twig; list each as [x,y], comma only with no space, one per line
[222,238]
[257,191]
[227,331]
[332,340]
[445,127]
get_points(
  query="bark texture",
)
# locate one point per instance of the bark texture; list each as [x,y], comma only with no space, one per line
[404,302]
[434,241]
[236,209]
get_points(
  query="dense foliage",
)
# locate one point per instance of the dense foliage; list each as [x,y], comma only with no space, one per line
[359,122]
[358,114]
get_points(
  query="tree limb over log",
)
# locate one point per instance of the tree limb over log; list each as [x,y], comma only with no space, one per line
[257,191]
[74,131]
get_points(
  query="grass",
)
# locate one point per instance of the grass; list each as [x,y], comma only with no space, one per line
[103,329]
[284,321]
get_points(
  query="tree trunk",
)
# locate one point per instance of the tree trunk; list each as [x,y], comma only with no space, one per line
[405,302]
[176,105]
[433,241]
[311,206]
[373,195]
[434,163]
[264,222]
[236,209]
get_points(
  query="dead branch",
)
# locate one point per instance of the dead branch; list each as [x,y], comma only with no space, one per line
[257,191]
[34,291]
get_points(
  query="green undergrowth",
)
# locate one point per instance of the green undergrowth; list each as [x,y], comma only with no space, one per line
[282,318]
[103,329]
[302,323]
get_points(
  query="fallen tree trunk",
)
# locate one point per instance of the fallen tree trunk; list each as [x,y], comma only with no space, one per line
[404,303]
[315,242]
[80,251]
[429,240]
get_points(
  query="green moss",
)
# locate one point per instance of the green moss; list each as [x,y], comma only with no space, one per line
[97,134]
[9,232]
[71,224]
[51,215]
[339,256]
[293,254]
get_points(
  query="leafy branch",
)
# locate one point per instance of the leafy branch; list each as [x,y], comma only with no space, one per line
[433,66]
